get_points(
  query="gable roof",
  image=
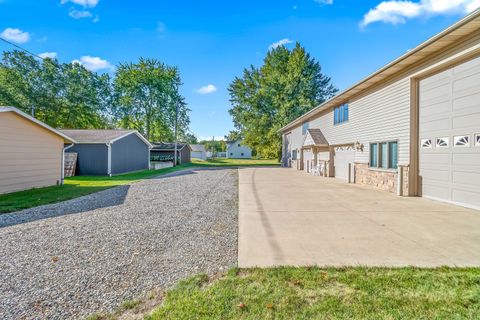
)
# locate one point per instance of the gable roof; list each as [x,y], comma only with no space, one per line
[168,146]
[469,25]
[197,147]
[38,122]
[317,138]
[94,136]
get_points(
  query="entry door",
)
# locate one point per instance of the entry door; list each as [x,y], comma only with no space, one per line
[449,114]
[307,159]
[342,158]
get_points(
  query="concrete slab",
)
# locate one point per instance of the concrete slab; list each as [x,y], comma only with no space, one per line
[288,217]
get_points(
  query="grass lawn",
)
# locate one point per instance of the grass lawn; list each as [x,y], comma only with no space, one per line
[315,293]
[234,162]
[75,187]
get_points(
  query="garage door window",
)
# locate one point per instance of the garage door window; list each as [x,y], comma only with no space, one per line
[477,140]
[384,155]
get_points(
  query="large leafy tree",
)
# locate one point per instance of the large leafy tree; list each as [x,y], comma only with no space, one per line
[264,99]
[146,97]
[61,95]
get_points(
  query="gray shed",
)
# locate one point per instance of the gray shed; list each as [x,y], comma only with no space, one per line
[109,152]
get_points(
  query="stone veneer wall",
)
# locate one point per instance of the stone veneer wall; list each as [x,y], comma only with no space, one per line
[383,180]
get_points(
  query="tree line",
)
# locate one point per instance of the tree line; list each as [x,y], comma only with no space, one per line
[266,98]
[143,96]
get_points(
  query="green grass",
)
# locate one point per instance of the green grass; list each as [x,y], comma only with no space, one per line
[78,186]
[74,187]
[314,293]
[219,162]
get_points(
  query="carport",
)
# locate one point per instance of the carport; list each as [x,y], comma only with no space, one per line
[289,217]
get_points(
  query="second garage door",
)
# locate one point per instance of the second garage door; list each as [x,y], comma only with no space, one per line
[449,114]
[342,158]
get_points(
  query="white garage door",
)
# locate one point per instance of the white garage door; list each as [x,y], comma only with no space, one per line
[449,135]
[307,160]
[343,157]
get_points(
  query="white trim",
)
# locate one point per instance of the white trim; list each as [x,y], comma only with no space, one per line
[461,204]
[129,133]
[40,123]
[109,160]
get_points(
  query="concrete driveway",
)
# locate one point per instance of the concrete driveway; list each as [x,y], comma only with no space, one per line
[288,217]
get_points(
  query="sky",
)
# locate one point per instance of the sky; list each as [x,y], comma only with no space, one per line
[211,42]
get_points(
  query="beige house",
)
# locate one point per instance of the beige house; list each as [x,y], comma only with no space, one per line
[31,152]
[412,127]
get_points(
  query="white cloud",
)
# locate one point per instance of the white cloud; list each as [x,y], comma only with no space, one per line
[84,3]
[210,88]
[15,35]
[280,43]
[51,55]
[79,14]
[209,138]
[93,63]
[396,11]
[323,2]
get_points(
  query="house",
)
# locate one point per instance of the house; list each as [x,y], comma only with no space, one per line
[31,152]
[412,127]
[236,150]
[109,152]
[164,151]
[198,151]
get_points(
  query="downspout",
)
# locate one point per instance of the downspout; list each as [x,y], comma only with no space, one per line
[109,159]
[63,162]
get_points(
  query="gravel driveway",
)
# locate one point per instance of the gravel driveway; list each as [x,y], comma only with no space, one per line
[87,255]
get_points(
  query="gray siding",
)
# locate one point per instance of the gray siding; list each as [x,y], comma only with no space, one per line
[92,159]
[129,154]
[183,155]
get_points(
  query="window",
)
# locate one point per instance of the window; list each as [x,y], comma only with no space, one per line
[231,153]
[461,141]
[477,140]
[442,142]
[340,114]
[426,143]
[384,155]
[294,154]
[305,127]
[242,154]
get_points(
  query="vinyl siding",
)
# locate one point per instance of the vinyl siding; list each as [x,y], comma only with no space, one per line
[130,154]
[92,159]
[30,156]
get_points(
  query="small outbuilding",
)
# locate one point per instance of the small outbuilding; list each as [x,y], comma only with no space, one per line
[237,150]
[166,151]
[109,152]
[31,152]
[198,151]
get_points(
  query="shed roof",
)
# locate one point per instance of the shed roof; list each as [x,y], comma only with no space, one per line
[318,137]
[93,136]
[197,147]
[168,146]
[38,122]
[465,27]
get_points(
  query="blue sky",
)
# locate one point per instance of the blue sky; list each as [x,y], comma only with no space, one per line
[212,41]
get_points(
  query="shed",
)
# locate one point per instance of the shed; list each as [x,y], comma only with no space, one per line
[31,152]
[198,151]
[109,152]
[237,150]
[163,150]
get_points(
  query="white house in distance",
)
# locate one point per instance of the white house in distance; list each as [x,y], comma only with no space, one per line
[236,150]
[412,127]
[198,151]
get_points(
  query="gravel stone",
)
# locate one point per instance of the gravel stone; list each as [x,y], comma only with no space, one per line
[72,259]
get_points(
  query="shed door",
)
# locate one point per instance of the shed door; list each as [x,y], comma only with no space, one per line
[449,114]
[343,157]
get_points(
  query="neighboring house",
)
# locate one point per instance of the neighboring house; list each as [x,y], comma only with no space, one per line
[412,127]
[109,152]
[163,150]
[31,152]
[198,151]
[236,150]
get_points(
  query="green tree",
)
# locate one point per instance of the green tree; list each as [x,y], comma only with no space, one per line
[233,135]
[146,98]
[61,95]
[189,138]
[288,84]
